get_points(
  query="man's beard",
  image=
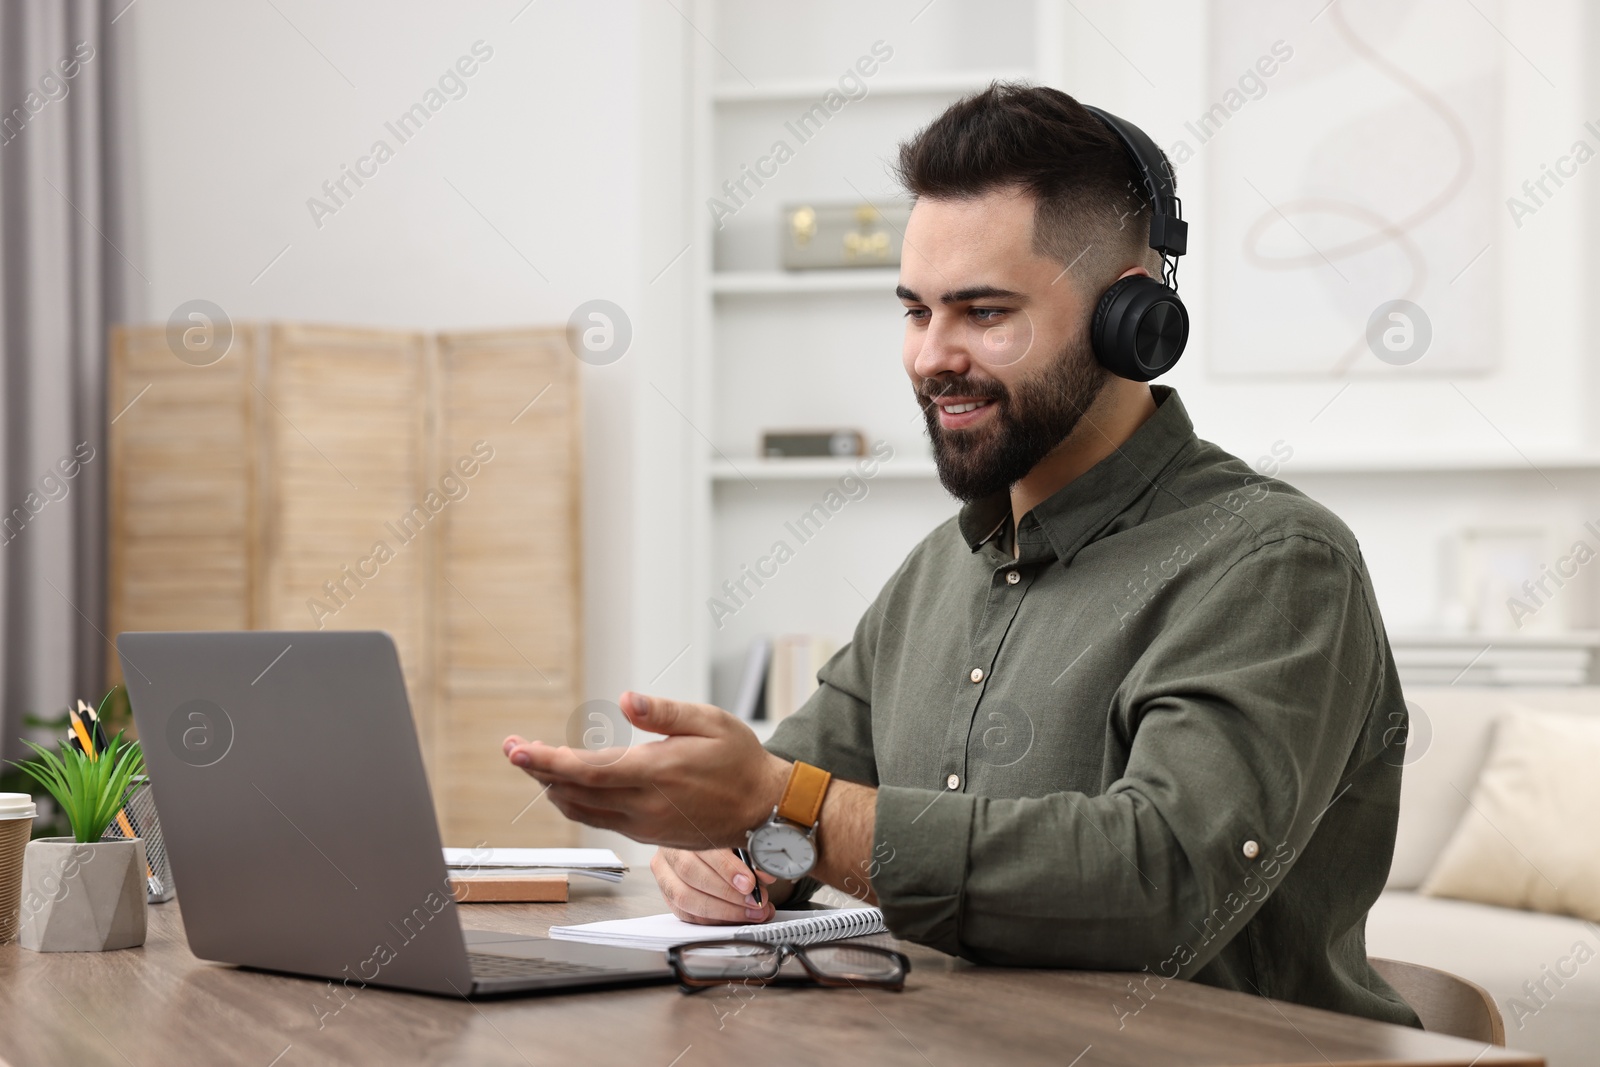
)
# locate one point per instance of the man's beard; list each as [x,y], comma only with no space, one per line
[1028,422]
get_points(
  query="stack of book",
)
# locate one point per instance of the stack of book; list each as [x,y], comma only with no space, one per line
[1496,659]
[482,875]
[781,674]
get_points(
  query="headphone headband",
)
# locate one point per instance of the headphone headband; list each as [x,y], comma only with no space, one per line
[1140,326]
[1169,234]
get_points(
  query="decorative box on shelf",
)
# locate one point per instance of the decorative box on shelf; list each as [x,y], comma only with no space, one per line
[829,236]
[809,444]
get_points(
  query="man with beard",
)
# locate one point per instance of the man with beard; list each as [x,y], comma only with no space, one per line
[1133,708]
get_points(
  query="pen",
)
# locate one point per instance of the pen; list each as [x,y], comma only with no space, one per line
[756,881]
[91,721]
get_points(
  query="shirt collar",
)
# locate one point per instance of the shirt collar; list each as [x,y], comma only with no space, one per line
[1075,513]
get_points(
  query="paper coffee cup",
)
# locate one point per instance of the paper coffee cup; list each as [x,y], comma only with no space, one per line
[16,824]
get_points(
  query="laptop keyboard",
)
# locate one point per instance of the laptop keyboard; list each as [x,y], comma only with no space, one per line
[488,966]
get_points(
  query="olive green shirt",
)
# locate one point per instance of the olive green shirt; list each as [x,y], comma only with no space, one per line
[1166,739]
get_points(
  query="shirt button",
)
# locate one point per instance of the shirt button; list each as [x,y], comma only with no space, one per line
[954,781]
[1251,850]
[977,674]
[1012,577]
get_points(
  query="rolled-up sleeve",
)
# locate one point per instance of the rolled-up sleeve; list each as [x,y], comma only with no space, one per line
[1242,716]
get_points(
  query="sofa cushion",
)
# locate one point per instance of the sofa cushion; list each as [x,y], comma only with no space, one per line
[1447,745]
[1525,840]
[1542,970]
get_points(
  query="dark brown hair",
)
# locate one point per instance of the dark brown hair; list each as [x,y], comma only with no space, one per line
[1091,210]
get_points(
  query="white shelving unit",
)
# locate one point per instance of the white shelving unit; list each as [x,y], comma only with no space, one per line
[775,349]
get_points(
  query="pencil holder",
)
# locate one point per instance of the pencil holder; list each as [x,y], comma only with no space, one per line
[139,805]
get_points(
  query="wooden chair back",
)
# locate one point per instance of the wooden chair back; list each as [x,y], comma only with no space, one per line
[1446,1003]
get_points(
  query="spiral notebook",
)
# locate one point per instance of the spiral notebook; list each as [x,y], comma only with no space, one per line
[664,931]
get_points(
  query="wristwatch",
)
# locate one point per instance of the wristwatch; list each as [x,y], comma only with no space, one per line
[784,845]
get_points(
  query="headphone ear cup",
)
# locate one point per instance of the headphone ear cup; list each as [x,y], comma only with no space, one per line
[1139,329]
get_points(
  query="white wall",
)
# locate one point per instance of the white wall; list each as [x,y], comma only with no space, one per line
[242,117]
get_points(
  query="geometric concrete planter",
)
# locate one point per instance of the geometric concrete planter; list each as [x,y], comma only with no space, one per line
[82,897]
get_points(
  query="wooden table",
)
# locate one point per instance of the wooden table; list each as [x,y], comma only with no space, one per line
[160,1005]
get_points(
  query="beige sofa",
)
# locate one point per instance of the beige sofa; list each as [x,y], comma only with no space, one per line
[1546,986]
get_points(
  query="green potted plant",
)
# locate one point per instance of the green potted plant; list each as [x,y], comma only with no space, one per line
[84,893]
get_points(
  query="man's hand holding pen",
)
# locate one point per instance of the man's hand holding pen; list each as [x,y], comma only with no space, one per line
[714,886]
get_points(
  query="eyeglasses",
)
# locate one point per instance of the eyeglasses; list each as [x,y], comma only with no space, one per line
[702,964]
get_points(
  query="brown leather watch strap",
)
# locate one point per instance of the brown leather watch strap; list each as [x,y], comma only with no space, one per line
[802,797]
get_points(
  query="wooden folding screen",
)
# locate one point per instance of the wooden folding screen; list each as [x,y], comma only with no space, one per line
[329,477]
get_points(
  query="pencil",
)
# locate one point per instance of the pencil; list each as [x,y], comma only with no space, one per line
[81,733]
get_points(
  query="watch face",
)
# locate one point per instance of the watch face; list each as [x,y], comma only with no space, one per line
[782,850]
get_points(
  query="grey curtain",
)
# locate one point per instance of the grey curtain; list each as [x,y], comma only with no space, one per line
[63,280]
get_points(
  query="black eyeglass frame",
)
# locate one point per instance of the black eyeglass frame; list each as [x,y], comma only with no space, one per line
[786,949]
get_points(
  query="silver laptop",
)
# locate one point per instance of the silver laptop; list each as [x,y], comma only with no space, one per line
[300,826]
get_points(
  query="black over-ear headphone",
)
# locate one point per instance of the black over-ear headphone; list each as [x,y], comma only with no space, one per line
[1140,324]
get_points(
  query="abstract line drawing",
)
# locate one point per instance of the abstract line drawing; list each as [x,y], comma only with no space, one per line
[1352,177]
